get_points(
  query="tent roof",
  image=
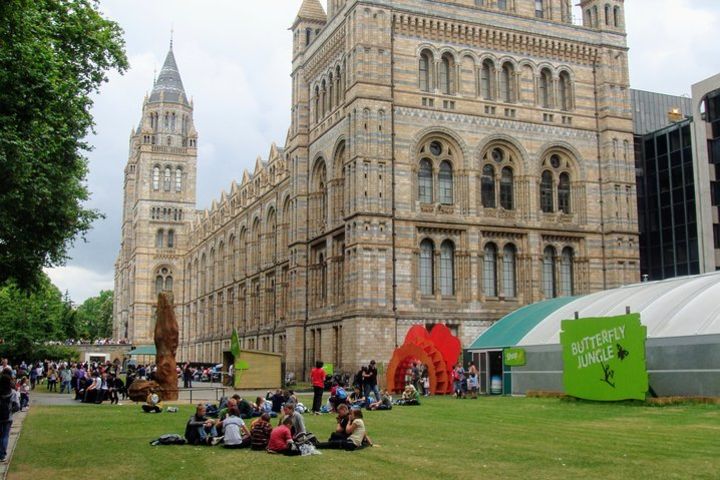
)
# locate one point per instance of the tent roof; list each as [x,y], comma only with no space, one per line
[510,329]
[677,307]
[143,350]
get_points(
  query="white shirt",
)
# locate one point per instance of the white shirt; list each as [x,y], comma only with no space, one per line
[232,426]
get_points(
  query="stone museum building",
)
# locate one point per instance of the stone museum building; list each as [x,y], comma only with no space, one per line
[445,162]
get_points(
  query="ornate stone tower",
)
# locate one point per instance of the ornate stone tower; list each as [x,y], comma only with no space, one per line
[159,205]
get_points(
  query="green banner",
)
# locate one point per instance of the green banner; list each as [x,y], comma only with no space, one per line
[235,344]
[329,368]
[514,357]
[604,358]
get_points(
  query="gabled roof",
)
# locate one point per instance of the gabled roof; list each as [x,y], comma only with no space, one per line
[168,86]
[311,10]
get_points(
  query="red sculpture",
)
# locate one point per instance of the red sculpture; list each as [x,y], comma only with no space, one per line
[438,349]
[166,343]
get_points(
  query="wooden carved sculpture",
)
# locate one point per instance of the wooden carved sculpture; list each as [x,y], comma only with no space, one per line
[166,343]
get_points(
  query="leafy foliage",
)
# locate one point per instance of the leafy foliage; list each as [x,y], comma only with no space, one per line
[29,318]
[53,55]
[94,316]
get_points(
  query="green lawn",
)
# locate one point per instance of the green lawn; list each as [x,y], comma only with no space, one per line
[444,438]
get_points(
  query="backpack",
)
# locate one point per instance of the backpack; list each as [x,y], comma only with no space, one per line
[341,393]
[169,439]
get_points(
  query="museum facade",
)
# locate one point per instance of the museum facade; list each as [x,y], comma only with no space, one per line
[446,162]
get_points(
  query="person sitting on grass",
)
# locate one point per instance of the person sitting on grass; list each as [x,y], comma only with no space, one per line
[357,437]
[410,396]
[277,400]
[281,440]
[152,403]
[357,400]
[343,418]
[385,402]
[297,423]
[200,430]
[260,432]
[246,409]
[235,433]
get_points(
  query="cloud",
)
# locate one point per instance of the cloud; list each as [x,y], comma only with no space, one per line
[82,283]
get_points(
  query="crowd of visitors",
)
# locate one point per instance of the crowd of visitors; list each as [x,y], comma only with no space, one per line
[289,437]
[84,341]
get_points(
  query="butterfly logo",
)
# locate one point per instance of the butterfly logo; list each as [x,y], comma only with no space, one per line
[621,352]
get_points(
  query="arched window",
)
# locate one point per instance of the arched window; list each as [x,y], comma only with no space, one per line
[548,273]
[178,179]
[317,104]
[546,192]
[171,239]
[509,289]
[323,99]
[427,258]
[323,279]
[507,86]
[331,93]
[338,86]
[608,14]
[168,283]
[159,284]
[445,75]
[425,181]
[564,193]
[156,178]
[616,16]
[447,268]
[567,287]
[167,179]
[319,196]
[506,188]
[424,71]
[487,187]
[565,91]
[486,83]
[159,238]
[539,9]
[490,270]
[545,88]
[445,180]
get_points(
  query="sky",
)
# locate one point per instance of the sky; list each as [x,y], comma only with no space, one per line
[234,58]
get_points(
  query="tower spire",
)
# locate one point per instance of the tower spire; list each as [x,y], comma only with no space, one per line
[172,31]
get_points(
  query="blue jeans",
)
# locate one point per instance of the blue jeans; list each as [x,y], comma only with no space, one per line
[4,437]
[204,434]
[374,390]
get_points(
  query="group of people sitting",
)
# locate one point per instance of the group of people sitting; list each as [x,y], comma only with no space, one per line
[286,438]
[99,386]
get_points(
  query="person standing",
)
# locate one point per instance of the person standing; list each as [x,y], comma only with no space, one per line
[187,376]
[371,384]
[317,377]
[9,404]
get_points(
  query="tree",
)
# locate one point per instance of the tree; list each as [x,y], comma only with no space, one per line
[30,317]
[94,316]
[53,55]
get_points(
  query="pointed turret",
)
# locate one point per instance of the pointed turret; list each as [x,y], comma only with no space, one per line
[310,20]
[168,85]
[311,10]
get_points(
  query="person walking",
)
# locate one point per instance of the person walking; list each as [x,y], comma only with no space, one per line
[317,377]
[9,404]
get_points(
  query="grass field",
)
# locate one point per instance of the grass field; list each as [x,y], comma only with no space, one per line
[444,438]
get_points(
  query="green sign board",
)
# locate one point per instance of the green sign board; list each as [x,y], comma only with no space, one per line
[329,368]
[235,344]
[604,358]
[514,357]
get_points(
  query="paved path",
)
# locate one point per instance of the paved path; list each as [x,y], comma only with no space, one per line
[18,419]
